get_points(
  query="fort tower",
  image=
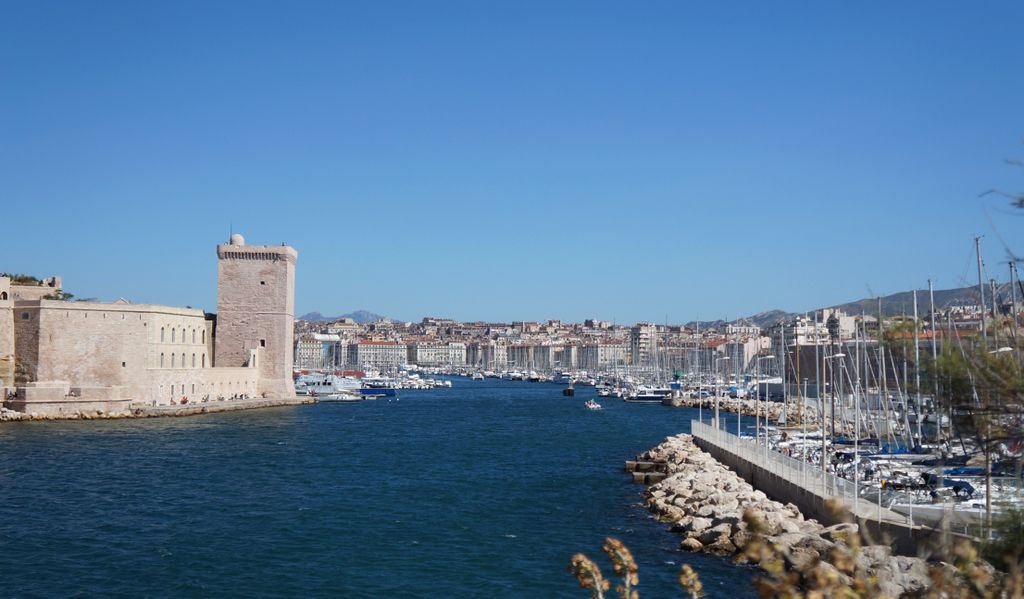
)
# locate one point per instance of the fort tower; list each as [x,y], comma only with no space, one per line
[6,335]
[256,312]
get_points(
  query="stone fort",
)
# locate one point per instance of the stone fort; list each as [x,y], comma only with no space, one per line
[65,357]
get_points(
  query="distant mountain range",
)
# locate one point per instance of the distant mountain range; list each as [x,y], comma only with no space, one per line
[895,304]
[360,316]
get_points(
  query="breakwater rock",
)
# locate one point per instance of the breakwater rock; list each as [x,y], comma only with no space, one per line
[705,502]
[749,407]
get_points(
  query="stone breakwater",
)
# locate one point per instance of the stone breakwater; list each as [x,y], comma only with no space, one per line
[158,411]
[749,407]
[705,502]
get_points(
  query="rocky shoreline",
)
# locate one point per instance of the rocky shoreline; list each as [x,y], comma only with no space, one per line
[705,501]
[159,411]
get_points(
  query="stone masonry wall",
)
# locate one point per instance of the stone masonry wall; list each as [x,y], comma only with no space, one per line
[255,309]
[6,335]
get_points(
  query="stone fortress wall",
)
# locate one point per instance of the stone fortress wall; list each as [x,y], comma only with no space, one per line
[82,356]
[6,337]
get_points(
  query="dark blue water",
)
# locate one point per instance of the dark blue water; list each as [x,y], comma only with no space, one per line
[482,490]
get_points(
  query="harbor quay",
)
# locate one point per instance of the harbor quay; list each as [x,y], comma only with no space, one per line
[88,359]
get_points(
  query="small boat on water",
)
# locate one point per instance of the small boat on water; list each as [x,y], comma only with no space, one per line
[592,405]
[477,376]
[374,387]
[340,397]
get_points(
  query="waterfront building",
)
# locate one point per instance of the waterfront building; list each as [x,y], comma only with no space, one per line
[316,351]
[308,352]
[643,338]
[437,354]
[487,354]
[78,356]
[602,356]
[381,355]
[567,357]
[520,356]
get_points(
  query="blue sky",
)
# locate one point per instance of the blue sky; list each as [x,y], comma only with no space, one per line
[512,160]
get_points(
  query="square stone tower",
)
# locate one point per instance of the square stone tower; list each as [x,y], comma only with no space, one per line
[6,334]
[256,311]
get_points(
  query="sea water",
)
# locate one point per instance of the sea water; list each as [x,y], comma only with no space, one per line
[484,489]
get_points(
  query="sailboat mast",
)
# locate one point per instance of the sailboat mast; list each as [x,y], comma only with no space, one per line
[981,289]
[884,391]
[917,371]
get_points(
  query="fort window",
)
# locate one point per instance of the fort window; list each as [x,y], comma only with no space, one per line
[182,360]
[3,295]
[193,337]
[172,390]
[174,334]
[122,364]
[263,282]
[161,360]
[204,360]
[263,342]
[172,362]
[193,360]
[161,334]
[25,316]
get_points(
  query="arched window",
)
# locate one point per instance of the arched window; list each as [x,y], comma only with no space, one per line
[182,360]
[3,295]
[161,334]
[172,363]
[161,360]
[193,335]
[193,360]
[172,390]
[204,360]
[204,336]
[174,333]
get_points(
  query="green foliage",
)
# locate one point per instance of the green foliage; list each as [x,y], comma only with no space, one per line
[60,295]
[1006,551]
[21,279]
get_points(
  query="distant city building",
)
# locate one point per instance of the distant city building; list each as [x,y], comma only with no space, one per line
[643,338]
[316,351]
[603,356]
[382,355]
[491,355]
[742,329]
[437,354]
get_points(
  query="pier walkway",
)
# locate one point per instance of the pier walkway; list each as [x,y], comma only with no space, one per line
[787,479]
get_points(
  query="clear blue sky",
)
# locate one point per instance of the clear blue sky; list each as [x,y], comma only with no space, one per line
[512,160]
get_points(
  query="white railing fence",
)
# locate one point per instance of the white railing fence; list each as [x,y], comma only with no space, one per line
[797,472]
